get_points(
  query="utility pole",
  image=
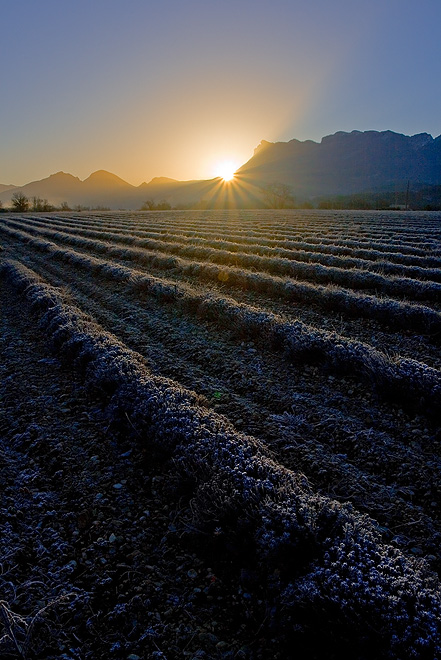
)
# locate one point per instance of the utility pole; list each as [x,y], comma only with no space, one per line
[407,195]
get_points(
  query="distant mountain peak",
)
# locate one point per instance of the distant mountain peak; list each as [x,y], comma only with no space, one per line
[7,186]
[421,139]
[105,177]
[162,179]
[264,144]
[62,175]
[102,174]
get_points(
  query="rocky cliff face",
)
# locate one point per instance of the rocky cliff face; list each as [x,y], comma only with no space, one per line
[346,163]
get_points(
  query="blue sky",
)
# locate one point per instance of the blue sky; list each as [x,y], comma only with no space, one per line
[172,88]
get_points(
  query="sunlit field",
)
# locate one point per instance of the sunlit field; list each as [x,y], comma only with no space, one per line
[274,379]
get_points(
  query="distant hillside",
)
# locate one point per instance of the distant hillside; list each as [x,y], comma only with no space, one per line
[346,163]
[5,186]
[105,189]
[56,188]
[108,190]
[100,189]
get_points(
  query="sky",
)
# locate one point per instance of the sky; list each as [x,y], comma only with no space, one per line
[176,87]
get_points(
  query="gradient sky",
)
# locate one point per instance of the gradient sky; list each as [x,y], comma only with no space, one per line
[171,88]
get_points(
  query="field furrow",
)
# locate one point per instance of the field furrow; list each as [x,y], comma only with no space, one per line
[366,329]
[122,235]
[300,342]
[248,226]
[140,227]
[385,311]
[308,267]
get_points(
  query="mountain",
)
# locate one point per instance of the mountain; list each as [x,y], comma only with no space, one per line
[104,189]
[346,163]
[105,179]
[5,186]
[56,188]
[99,189]
[341,164]
[159,180]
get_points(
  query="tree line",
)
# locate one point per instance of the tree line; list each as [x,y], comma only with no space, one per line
[21,204]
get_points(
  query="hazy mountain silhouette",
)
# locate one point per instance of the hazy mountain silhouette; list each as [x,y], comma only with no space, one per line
[99,189]
[346,163]
[103,188]
[102,180]
[341,164]
[5,186]
[56,188]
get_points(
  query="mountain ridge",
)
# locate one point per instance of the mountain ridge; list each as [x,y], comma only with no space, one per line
[342,163]
[347,162]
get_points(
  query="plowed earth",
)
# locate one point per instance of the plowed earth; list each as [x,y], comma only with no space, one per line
[98,551]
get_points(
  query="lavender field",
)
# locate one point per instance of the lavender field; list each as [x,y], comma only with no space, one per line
[220,435]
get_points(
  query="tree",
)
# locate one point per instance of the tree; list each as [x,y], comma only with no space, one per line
[150,205]
[39,204]
[163,205]
[278,196]
[20,202]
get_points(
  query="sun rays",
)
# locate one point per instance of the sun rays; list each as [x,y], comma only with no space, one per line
[226,170]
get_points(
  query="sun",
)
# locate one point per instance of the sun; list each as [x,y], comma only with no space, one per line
[226,170]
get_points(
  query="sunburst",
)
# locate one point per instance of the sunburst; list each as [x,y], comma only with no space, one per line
[226,170]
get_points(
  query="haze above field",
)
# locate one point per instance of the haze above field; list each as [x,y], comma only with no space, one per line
[174,89]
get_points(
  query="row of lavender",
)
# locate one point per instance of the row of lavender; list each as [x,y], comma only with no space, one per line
[332,566]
